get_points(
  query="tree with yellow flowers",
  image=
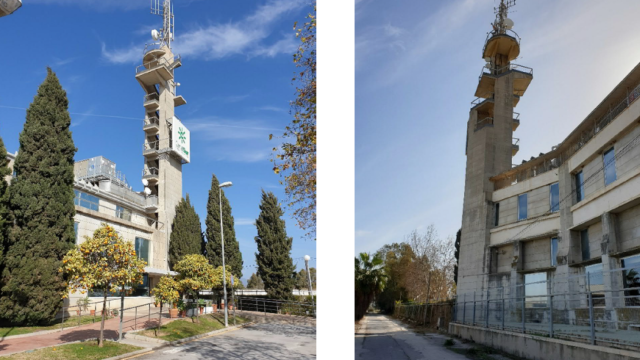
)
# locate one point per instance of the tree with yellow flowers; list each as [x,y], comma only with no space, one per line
[104,262]
[195,274]
[165,292]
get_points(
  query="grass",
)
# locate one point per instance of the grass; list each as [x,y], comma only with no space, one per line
[87,350]
[181,329]
[68,322]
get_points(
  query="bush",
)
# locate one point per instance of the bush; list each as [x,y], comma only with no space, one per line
[449,342]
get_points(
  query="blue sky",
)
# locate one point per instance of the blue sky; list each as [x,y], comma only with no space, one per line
[236,78]
[417,67]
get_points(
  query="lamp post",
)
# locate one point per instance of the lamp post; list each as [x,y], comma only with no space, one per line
[224,269]
[306,264]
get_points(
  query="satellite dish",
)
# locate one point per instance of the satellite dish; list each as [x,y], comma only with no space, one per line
[177,84]
[154,34]
[171,35]
[508,23]
[487,59]
[145,182]
[147,191]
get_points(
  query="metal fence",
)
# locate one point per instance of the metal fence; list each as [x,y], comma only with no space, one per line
[435,315]
[598,307]
[275,306]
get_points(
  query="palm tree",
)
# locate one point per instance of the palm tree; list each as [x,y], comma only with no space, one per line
[369,281]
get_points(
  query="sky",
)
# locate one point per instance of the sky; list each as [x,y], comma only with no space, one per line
[417,68]
[236,77]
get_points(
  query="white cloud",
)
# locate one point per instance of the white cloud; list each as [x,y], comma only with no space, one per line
[244,221]
[217,41]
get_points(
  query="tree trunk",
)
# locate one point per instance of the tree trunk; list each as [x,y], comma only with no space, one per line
[104,307]
[160,318]
[121,305]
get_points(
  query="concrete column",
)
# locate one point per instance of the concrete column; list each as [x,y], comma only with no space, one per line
[612,280]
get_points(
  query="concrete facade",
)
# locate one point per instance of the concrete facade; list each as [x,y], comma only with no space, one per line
[583,195]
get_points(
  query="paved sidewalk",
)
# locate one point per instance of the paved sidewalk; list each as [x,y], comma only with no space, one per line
[382,338]
[84,332]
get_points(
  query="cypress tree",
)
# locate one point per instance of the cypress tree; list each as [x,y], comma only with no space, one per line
[186,233]
[41,204]
[457,256]
[232,255]
[275,266]
[4,202]
[255,282]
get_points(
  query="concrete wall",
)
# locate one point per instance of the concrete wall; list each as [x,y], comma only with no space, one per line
[538,203]
[504,258]
[537,254]
[629,229]
[539,348]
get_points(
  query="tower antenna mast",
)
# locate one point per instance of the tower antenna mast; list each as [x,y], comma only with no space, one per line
[165,9]
[499,25]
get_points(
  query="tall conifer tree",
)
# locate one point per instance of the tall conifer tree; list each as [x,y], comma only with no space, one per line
[232,255]
[41,204]
[275,266]
[186,233]
[4,203]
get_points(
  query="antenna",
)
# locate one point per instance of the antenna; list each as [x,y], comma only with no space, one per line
[502,23]
[165,9]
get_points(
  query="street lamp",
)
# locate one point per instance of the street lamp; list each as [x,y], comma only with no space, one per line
[306,264]
[224,269]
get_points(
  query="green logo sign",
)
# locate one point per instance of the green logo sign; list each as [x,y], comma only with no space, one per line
[183,135]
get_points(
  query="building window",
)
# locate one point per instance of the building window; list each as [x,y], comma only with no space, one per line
[579,187]
[137,290]
[86,201]
[75,230]
[554,251]
[596,283]
[554,197]
[122,213]
[535,289]
[142,249]
[609,166]
[631,273]
[522,207]
[497,216]
[584,244]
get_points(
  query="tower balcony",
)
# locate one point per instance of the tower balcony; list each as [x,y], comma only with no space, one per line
[505,46]
[150,148]
[151,204]
[152,102]
[179,101]
[151,125]
[487,121]
[516,121]
[151,174]
[487,79]
[515,146]
[156,71]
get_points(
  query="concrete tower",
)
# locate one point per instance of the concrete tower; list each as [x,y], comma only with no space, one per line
[166,140]
[490,146]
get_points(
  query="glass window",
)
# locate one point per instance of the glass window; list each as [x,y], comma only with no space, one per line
[554,251]
[75,230]
[579,186]
[554,197]
[87,201]
[522,207]
[137,290]
[609,166]
[535,289]
[631,275]
[497,215]
[122,213]
[142,249]
[584,243]
[596,283]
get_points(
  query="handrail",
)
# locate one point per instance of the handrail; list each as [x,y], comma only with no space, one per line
[511,67]
[516,142]
[516,115]
[155,63]
[484,122]
[153,171]
[151,96]
[150,121]
[153,145]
